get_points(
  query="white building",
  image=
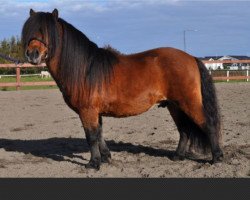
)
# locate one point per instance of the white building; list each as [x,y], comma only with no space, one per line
[213,66]
[234,66]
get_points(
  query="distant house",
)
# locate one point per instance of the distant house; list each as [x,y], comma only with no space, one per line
[233,66]
[240,66]
[213,66]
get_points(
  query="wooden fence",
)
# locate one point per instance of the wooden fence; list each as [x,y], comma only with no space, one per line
[18,82]
[216,74]
[222,75]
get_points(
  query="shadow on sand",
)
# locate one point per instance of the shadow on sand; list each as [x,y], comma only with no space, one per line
[59,148]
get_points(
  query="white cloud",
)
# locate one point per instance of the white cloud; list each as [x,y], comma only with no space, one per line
[21,6]
[17,7]
[134,25]
[103,5]
[10,7]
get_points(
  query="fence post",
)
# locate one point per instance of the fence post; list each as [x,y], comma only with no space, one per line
[228,75]
[247,75]
[18,77]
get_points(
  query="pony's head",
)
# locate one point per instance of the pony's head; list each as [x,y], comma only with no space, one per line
[40,36]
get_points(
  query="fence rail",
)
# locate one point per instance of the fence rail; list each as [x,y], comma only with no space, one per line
[217,75]
[18,82]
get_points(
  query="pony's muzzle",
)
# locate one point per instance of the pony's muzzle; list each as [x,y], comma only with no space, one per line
[33,56]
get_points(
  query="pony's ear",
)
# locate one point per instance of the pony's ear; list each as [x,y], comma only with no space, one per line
[55,13]
[32,12]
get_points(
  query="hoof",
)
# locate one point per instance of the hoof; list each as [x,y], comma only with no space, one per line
[191,155]
[177,157]
[106,158]
[93,164]
[217,158]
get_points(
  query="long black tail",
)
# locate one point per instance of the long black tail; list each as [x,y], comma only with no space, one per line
[210,108]
[199,140]
[209,98]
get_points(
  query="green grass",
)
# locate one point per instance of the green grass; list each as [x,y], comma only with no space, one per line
[26,79]
[28,88]
[232,81]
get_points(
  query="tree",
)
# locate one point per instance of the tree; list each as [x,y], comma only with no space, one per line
[13,47]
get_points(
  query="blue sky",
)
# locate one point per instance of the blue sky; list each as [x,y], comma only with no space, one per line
[137,25]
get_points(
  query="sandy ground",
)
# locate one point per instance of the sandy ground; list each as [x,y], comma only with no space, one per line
[41,137]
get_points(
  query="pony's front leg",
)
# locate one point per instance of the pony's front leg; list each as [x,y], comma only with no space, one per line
[92,136]
[90,121]
[104,150]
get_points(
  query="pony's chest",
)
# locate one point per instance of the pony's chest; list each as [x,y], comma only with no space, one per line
[69,100]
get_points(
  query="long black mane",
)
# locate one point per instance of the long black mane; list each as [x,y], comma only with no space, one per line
[82,63]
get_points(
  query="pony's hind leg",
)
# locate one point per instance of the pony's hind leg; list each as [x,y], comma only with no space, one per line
[183,127]
[103,148]
[214,139]
[208,136]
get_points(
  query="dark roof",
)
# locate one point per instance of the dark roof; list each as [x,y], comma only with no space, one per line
[213,57]
[241,57]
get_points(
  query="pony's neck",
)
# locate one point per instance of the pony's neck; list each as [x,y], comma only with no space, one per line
[53,63]
[79,66]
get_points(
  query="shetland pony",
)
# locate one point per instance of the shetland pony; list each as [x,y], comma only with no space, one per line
[97,82]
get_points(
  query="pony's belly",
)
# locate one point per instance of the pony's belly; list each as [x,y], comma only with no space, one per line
[126,109]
